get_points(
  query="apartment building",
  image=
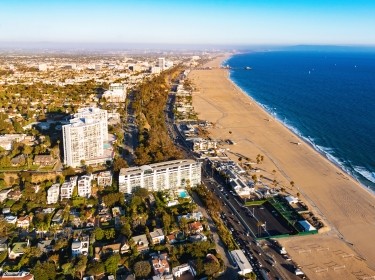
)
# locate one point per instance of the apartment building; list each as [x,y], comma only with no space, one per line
[84,137]
[160,176]
[84,186]
[53,194]
[116,93]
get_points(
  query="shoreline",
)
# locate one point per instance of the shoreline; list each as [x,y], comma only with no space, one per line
[339,199]
[300,137]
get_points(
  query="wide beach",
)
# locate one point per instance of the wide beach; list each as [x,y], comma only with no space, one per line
[346,208]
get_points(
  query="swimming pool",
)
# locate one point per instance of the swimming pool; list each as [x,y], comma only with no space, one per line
[183,194]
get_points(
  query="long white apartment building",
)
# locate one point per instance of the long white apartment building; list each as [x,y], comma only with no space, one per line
[160,176]
[84,137]
[84,186]
[53,194]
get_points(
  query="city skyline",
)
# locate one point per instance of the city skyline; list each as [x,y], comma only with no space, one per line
[195,22]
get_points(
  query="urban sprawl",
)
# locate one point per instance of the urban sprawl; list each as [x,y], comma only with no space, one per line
[107,172]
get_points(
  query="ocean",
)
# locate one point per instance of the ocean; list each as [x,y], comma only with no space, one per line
[325,97]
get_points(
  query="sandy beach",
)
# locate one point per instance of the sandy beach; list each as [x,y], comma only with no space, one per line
[345,207]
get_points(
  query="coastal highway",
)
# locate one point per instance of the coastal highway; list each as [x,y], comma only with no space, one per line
[237,219]
[235,216]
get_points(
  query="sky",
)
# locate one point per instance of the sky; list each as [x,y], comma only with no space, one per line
[231,22]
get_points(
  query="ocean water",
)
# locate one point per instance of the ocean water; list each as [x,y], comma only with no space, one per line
[326,97]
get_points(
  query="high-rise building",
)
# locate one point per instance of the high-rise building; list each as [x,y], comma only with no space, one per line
[95,114]
[84,137]
[160,176]
[161,63]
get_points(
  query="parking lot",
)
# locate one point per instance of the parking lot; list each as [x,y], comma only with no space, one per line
[266,221]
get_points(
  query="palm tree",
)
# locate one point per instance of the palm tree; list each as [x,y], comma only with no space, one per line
[292,184]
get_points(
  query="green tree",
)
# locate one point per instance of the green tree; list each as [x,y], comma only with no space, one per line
[68,269]
[3,256]
[111,264]
[99,234]
[212,267]
[126,229]
[142,269]
[44,271]
[119,163]
[95,268]
[81,265]
[109,233]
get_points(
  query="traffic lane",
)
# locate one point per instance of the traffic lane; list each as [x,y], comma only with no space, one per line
[239,232]
[246,243]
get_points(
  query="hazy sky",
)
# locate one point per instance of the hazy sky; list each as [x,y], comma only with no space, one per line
[189,22]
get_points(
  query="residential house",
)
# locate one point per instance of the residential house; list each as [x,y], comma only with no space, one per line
[4,195]
[160,264]
[53,194]
[19,160]
[58,217]
[46,246]
[14,195]
[197,237]
[17,275]
[44,160]
[157,236]
[84,186]
[18,249]
[104,215]
[80,246]
[196,216]
[141,243]
[24,222]
[183,269]
[171,238]
[195,227]
[124,247]
[11,219]
[105,250]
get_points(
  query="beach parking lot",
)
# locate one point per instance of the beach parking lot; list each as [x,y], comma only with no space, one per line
[267,222]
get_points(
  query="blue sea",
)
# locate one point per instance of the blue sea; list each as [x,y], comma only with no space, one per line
[325,97]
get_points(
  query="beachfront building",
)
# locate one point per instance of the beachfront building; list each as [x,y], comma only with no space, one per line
[84,186]
[53,194]
[84,137]
[115,94]
[244,267]
[160,176]
[200,144]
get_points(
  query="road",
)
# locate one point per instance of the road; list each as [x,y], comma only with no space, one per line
[130,131]
[236,217]
[230,272]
